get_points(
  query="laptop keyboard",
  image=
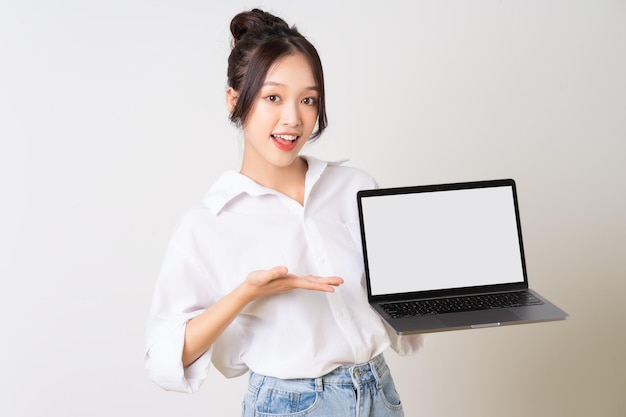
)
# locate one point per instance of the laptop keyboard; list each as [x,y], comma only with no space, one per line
[459,304]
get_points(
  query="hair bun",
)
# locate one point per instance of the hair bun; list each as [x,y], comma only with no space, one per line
[254,21]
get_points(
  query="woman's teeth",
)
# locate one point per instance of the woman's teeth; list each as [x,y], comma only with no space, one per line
[286,137]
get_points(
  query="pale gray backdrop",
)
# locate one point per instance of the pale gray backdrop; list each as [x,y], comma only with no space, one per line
[112,121]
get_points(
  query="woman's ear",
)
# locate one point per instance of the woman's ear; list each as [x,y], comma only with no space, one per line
[231,99]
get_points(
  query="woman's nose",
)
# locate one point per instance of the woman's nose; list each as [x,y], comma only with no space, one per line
[291,114]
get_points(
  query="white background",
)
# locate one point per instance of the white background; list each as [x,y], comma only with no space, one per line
[112,121]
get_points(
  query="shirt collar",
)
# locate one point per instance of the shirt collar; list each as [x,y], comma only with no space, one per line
[231,184]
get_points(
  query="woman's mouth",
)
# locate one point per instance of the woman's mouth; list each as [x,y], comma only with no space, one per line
[285,142]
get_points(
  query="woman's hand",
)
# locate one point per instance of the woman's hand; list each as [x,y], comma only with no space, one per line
[278,280]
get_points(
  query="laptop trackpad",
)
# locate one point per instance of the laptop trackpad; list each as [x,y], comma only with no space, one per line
[478,317]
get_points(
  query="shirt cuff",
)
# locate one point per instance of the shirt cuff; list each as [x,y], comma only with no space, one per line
[164,362]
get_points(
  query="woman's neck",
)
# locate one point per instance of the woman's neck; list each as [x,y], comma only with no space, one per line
[287,180]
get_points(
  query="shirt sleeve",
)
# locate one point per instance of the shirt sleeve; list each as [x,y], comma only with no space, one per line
[404,345]
[181,293]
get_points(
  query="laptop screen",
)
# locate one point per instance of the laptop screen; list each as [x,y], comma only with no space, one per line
[443,239]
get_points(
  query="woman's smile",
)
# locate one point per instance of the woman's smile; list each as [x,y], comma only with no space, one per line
[285,142]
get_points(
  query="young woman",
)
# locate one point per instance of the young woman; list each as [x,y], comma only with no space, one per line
[265,274]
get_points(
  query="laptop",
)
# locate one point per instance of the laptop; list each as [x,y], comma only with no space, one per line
[448,257]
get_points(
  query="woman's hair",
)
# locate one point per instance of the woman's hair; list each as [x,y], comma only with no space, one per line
[259,40]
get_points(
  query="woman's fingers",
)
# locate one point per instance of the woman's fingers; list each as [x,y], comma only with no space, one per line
[316,283]
[279,280]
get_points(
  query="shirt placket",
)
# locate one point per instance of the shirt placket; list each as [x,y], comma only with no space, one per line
[336,300]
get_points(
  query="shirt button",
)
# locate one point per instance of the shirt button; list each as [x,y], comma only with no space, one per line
[321,259]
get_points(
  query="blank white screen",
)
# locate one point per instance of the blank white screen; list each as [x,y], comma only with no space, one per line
[441,240]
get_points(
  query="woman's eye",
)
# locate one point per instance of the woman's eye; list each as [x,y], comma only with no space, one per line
[272,98]
[309,101]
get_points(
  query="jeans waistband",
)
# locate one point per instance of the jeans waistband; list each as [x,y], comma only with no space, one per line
[354,375]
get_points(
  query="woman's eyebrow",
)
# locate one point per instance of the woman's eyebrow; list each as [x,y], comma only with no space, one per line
[277,84]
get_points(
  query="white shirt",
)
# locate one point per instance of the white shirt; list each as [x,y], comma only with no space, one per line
[241,226]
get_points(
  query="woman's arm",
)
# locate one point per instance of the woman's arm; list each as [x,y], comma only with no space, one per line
[203,330]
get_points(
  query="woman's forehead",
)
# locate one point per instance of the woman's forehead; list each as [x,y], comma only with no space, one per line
[291,70]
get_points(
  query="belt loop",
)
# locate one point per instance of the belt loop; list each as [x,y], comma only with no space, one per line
[319,384]
[255,382]
[377,366]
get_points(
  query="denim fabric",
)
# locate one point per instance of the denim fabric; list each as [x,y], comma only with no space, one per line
[365,390]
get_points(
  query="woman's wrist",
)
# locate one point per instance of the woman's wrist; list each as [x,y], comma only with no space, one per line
[244,294]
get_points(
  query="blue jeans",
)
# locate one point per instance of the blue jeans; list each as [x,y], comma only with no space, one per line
[365,390]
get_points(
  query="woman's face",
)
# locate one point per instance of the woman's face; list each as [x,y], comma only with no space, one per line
[283,115]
